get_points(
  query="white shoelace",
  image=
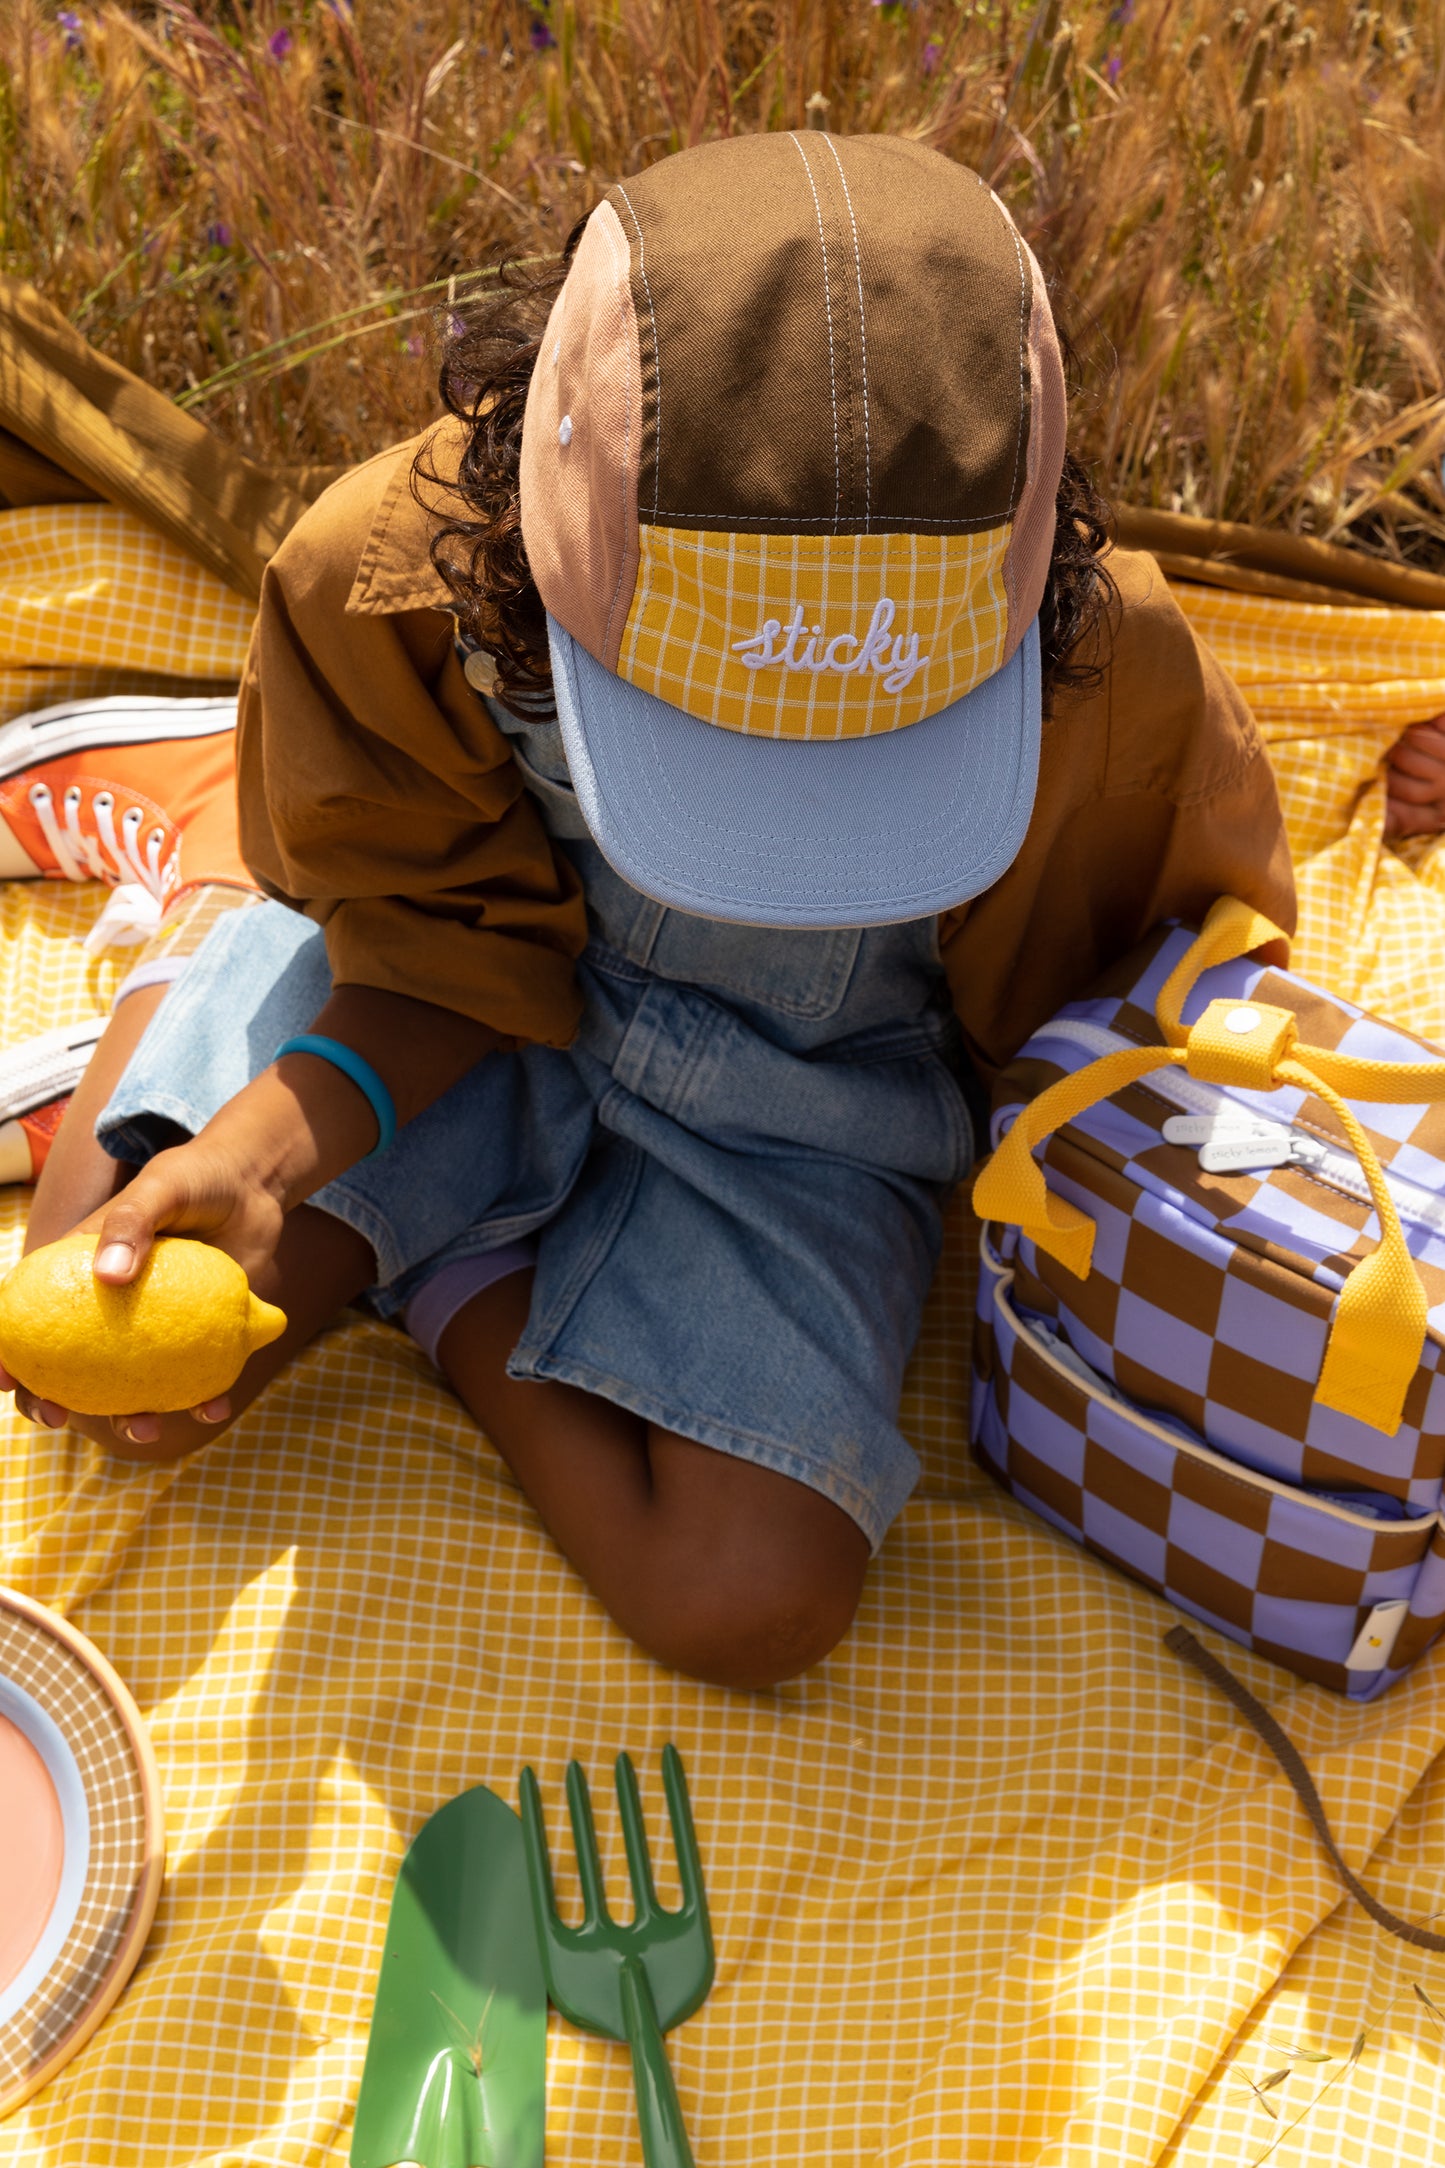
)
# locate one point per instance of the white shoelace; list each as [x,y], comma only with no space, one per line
[104,855]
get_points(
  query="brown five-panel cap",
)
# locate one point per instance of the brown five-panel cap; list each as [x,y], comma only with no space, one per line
[789,465]
[876,297]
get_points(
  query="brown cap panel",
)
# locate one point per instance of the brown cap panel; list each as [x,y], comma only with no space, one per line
[858,360]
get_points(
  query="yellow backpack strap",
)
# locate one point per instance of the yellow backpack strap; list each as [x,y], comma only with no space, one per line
[1388,1083]
[1374,1347]
[1378,1329]
[1011,1185]
[1230,931]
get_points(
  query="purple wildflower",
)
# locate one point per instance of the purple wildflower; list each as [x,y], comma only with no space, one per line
[539,37]
[341,9]
[218,234]
[280,42]
[1112,66]
[1122,11]
[456,325]
[74,36]
[416,346]
[931,54]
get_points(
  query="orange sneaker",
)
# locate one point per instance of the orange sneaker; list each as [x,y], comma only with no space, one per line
[25,1144]
[36,1081]
[135,791]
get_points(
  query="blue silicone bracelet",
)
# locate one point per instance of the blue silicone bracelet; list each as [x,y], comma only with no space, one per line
[361,1073]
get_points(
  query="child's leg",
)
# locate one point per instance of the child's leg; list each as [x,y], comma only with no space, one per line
[79,1175]
[715,1565]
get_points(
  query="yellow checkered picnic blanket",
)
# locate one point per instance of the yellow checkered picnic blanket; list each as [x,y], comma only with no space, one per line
[1333,689]
[92,599]
[1000,1883]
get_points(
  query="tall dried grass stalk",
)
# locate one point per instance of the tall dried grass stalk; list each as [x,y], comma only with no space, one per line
[271,207]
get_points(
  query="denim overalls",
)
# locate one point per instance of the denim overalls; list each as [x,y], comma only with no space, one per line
[735,1173]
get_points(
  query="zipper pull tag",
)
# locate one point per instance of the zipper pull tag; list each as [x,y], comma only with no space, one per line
[1234,1154]
[1226,1122]
[1231,1139]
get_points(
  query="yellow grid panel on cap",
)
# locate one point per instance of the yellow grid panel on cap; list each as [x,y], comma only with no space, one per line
[868,604]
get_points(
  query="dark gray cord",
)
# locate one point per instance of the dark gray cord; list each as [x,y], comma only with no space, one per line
[1291,1761]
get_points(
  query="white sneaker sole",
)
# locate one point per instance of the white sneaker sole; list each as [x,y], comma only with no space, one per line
[77,726]
[46,1067]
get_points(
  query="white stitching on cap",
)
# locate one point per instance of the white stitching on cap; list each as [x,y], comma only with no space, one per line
[621,275]
[863,337]
[828,313]
[793,522]
[1025,287]
[656,349]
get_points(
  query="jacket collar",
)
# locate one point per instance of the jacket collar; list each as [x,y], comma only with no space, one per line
[395,572]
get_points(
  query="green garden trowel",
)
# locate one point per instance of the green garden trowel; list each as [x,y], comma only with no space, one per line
[456,2066]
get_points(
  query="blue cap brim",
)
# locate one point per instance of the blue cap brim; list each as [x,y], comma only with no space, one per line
[793,832]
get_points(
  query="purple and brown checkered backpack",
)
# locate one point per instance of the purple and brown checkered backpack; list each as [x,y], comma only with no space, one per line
[1211,1314]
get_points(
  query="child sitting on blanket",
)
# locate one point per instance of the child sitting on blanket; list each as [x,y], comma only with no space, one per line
[681,777]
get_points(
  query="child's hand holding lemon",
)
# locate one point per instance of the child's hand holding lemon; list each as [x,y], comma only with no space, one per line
[124,1316]
[174,1337]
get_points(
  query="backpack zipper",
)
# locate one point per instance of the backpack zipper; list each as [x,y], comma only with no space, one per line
[1327,1162]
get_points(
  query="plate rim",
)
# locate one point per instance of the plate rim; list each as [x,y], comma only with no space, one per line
[152,1874]
[20,1707]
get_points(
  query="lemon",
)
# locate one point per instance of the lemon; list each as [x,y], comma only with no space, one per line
[176,1336]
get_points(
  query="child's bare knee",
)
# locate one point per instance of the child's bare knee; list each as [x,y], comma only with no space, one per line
[745,1630]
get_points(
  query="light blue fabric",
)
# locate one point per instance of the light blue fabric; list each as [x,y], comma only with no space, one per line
[791,832]
[736,1173]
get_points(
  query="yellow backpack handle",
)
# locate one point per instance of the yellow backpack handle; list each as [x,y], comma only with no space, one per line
[1378,1329]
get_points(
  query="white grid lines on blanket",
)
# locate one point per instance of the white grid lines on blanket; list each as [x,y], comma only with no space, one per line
[93,584]
[925,1861]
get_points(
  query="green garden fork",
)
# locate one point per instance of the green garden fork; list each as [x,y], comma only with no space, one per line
[629,1983]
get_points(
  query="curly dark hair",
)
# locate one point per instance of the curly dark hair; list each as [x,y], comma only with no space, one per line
[486,370]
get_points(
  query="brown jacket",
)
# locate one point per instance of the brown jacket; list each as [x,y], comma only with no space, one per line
[378,795]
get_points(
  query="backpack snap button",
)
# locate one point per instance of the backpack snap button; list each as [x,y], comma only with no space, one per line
[1239,1043]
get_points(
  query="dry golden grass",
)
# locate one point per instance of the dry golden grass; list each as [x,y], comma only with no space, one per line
[270,210]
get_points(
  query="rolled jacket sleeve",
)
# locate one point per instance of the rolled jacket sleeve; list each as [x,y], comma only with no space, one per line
[376,792]
[1155,795]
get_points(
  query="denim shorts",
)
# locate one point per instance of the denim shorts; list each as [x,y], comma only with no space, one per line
[735,1174]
